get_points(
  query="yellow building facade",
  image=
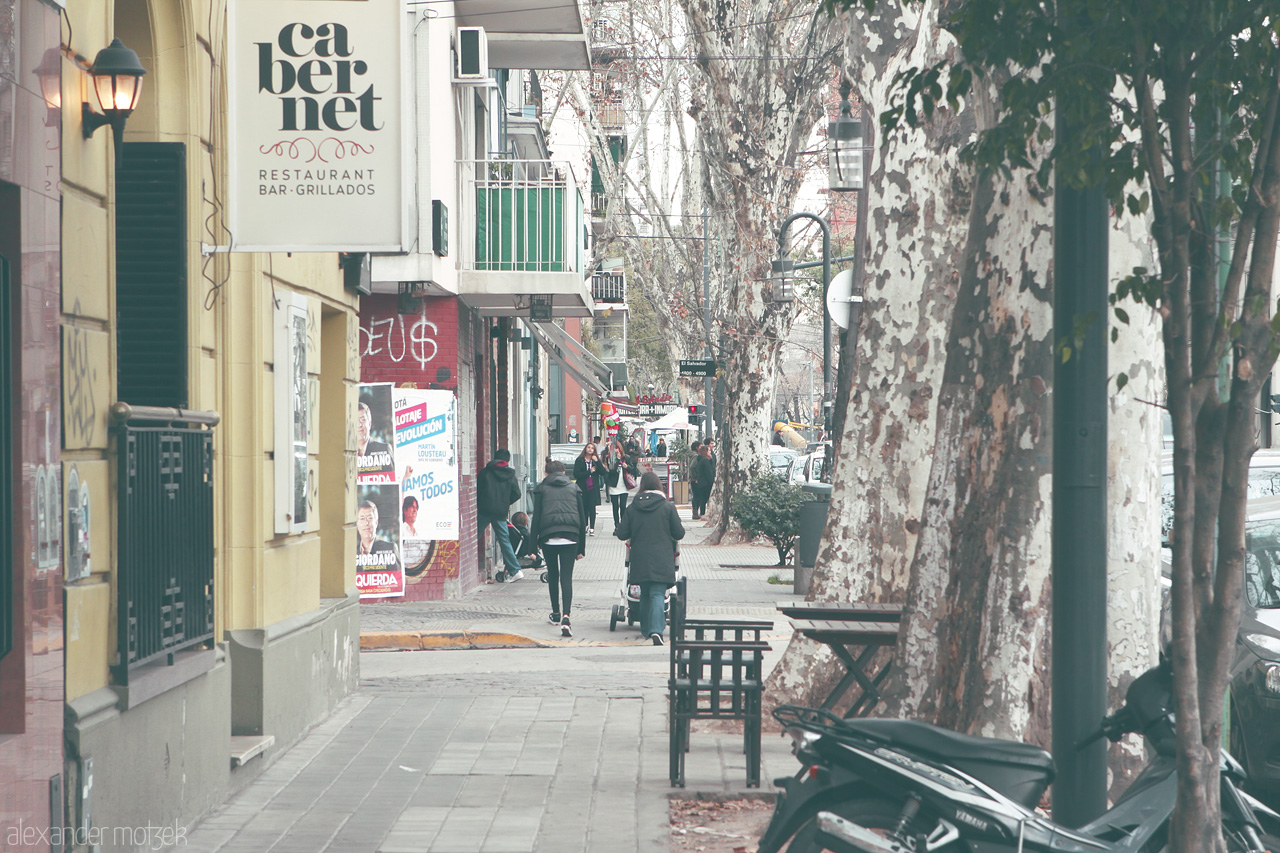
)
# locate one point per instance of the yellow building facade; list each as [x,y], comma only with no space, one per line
[207,447]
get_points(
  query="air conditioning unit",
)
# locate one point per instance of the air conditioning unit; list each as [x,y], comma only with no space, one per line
[471,48]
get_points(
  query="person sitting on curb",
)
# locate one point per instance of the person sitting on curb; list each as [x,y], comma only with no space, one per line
[522,543]
[653,526]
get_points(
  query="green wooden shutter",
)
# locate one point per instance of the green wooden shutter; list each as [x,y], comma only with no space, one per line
[151,274]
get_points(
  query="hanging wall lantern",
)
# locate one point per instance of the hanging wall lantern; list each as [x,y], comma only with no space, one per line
[844,148]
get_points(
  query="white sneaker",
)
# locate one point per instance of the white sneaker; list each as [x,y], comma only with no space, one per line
[591,532]
[519,575]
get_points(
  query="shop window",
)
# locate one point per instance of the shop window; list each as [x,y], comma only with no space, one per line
[151,274]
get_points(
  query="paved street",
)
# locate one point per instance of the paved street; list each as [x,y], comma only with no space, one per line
[551,745]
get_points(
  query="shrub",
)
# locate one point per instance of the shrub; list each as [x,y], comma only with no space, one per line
[770,507]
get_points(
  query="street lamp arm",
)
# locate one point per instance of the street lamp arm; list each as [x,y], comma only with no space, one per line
[826,315]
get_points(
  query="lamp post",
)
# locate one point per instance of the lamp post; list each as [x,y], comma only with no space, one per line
[782,270]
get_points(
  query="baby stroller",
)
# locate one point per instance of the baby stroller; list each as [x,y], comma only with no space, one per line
[628,609]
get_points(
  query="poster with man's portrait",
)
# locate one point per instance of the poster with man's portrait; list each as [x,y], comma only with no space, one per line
[375,457]
[379,572]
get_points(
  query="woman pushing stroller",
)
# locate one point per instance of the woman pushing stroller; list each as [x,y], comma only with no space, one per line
[653,526]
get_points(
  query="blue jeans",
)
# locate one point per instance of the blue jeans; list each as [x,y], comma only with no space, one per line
[652,617]
[499,526]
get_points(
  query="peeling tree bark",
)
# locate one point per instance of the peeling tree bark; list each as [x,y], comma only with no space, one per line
[942,492]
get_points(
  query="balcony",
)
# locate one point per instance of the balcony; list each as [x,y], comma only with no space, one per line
[609,287]
[521,235]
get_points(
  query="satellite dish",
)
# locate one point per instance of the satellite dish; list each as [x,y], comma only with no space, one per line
[840,296]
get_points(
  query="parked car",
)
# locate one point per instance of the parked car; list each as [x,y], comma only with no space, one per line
[780,460]
[1255,673]
[809,468]
[1264,481]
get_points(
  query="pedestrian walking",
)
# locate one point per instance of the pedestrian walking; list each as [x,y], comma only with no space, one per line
[621,479]
[588,473]
[653,526]
[496,491]
[701,478]
[559,527]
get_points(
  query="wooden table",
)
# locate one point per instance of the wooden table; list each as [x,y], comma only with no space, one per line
[841,610]
[854,632]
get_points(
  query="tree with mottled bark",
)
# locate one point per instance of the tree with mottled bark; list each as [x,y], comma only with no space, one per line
[1175,108]
[941,490]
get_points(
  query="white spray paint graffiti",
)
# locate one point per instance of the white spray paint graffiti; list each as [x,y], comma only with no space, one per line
[390,335]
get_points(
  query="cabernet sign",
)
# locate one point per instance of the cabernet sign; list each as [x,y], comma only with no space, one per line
[316,132]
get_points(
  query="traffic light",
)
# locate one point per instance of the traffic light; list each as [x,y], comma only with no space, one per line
[695,414]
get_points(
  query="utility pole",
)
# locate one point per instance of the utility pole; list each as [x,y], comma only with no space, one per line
[709,385]
[1078,666]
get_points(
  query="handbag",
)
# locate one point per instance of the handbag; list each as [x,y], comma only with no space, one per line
[629,479]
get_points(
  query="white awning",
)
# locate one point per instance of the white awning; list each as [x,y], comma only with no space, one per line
[571,356]
[676,419]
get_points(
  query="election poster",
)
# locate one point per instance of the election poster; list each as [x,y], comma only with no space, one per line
[379,572]
[375,462]
[427,465]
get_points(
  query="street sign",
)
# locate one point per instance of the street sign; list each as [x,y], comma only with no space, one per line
[840,298]
[697,367]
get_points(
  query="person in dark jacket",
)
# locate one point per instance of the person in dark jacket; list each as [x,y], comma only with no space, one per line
[560,528]
[522,543]
[588,474]
[662,448]
[653,526]
[618,463]
[496,491]
[702,475]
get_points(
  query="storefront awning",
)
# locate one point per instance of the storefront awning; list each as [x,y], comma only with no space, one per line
[572,356]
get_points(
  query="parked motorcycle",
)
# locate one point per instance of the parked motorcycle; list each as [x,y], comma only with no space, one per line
[900,786]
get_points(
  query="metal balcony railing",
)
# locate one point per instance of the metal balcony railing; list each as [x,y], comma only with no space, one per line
[520,216]
[609,287]
[165,551]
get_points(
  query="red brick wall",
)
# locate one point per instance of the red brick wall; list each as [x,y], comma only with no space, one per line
[473,346]
[418,350]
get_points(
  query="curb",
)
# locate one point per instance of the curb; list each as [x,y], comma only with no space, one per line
[423,640]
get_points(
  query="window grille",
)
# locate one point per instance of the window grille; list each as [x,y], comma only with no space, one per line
[165,556]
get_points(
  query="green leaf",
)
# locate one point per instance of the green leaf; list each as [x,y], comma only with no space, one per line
[1122,380]
[1122,315]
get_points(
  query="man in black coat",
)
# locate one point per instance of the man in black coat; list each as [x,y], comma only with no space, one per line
[560,527]
[702,475]
[653,526]
[496,491]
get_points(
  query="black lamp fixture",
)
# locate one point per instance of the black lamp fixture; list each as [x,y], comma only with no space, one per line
[844,147]
[782,280]
[116,74]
